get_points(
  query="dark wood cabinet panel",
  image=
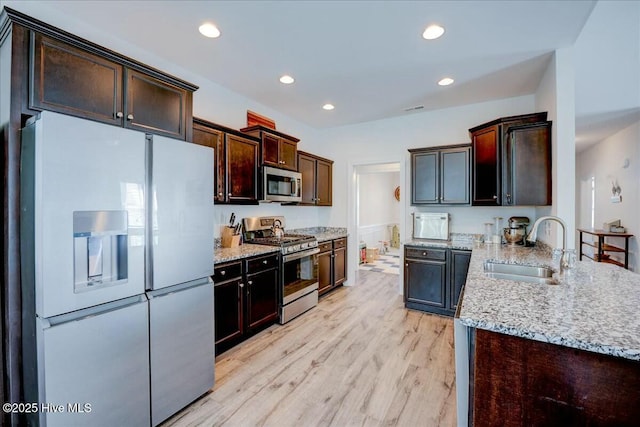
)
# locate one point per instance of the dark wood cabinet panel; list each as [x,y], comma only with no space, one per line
[425,178]
[512,161]
[307,167]
[324,271]
[242,169]
[523,382]
[526,175]
[262,298]
[235,162]
[427,281]
[324,182]
[332,264]
[440,175]
[457,275]
[317,179]
[434,278]
[228,300]
[73,81]
[486,157]
[276,148]
[154,106]
[340,266]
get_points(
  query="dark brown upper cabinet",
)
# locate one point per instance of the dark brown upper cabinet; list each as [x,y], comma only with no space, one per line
[440,175]
[276,148]
[500,152]
[82,80]
[235,163]
[317,179]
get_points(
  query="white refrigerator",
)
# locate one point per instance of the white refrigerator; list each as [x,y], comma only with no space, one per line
[117,254]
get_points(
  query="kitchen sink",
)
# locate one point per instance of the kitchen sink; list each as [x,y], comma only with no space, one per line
[520,272]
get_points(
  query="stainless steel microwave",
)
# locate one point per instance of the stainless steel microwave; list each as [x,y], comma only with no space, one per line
[280,185]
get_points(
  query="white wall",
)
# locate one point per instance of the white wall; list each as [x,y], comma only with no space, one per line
[377,204]
[606,162]
[555,94]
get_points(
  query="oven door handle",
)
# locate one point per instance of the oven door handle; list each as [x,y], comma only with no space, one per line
[298,255]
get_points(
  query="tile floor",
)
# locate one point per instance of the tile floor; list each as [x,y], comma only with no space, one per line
[388,263]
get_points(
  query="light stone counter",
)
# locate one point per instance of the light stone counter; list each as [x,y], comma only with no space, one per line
[595,307]
[322,233]
[243,251]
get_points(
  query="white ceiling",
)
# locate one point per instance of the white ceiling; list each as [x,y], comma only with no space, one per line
[366,57]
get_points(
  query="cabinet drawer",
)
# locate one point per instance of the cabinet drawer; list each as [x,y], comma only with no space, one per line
[225,272]
[262,263]
[426,253]
[339,243]
[324,246]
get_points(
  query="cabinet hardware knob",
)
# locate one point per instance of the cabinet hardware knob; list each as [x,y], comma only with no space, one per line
[241,285]
[220,194]
[318,199]
[119,114]
[223,272]
[264,262]
[424,254]
[229,194]
[495,197]
[406,265]
[129,116]
[250,282]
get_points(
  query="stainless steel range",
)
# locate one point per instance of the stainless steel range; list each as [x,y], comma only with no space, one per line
[298,263]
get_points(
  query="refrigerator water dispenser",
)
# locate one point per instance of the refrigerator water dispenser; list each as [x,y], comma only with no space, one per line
[99,249]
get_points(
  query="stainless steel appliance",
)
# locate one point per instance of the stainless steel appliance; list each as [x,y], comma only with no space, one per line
[516,231]
[117,232]
[431,226]
[298,263]
[280,185]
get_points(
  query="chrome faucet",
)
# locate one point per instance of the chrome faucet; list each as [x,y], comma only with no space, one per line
[533,234]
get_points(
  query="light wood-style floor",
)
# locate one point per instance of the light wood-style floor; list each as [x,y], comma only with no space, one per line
[358,358]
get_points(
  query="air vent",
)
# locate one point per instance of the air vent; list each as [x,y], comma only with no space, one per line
[417,107]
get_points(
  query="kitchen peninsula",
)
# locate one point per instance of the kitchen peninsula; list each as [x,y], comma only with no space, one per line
[531,353]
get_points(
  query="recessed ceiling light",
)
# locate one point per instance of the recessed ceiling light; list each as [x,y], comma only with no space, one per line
[286,79]
[209,30]
[446,81]
[433,32]
[328,107]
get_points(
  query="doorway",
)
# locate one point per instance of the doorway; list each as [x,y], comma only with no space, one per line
[378,215]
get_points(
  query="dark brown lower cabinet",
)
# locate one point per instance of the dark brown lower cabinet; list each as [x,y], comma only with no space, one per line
[245,298]
[433,278]
[332,264]
[522,382]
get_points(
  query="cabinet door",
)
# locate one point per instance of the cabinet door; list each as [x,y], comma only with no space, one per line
[229,321]
[454,176]
[155,106]
[425,284]
[270,150]
[486,169]
[457,275]
[527,165]
[307,167]
[425,178]
[213,138]
[324,271]
[339,266]
[324,183]
[262,298]
[288,158]
[75,82]
[242,169]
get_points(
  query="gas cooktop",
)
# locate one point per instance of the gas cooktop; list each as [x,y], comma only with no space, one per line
[270,231]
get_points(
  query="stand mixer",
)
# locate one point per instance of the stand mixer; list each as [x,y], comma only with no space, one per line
[516,231]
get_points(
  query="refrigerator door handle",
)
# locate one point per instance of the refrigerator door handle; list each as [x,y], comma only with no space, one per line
[92,311]
[178,288]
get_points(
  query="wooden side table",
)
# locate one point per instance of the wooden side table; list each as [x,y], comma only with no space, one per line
[603,247]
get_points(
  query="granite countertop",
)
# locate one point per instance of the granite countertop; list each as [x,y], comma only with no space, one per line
[322,233]
[457,241]
[243,251]
[594,307]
